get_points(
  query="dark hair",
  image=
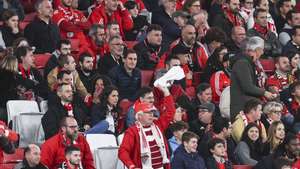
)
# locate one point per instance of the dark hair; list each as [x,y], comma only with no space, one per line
[94,28]
[293,86]
[63,121]
[257,11]
[21,52]
[61,74]
[202,87]
[153,27]
[106,92]
[143,91]
[282,161]
[179,125]
[219,124]
[83,56]
[188,4]
[251,104]
[127,52]
[63,42]
[294,30]
[69,149]
[63,59]
[289,15]
[106,81]
[213,142]
[277,58]
[215,34]
[281,2]
[281,149]
[171,57]
[130,5]
[7,14]
[187,136]
[113,38]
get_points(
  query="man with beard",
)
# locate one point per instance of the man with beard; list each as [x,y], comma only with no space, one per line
[73,158]
[86,72]
[60,107]
[53,150]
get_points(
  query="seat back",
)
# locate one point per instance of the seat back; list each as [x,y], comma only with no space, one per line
[29,127]
[101,140]
[120,138]
[41,60]
[13,158]
[268,65]
[106,158]
[130,44]
[16,107]
[147,76]
[44,106]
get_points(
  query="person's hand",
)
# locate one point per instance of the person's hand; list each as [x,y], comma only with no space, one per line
[270,95]
[121,6]
[164,89]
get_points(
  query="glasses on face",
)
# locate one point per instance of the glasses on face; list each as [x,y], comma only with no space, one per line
[277,112]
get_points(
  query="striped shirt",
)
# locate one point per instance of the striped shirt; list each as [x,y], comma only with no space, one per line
[156,157]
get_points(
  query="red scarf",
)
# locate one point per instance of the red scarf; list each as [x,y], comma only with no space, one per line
[68,107]
[221,165]
[260,29]
[25,74]
[294,106]
[235,19]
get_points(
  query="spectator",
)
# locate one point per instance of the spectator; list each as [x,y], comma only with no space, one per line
[19,42]
[32,157]
[113,29]
[53,149]
[272,112]
[193,7]
[213,39]
[177,129]
[71,22]
[294,58]
[292,19]
[145,138]
[42,32]
[32,85]
[250,114]
[249,150]
[140,22]
[67,62]
[229,17]
[238,36]
[243,79]
[217,157]
[86,72]
[282,77]
[272,45]
[10,30]
[97,41]
[180,18]
[112,11]
[294,44]
[127,78]
[114,57]
[284,6]
[247,7]
[201,24]
[63,48]
[105,116]
[140,5]
[61,107]
[73,158]
[13,5]
[203,94]
[7,140]
[150,50]
[163,16]
[100,82]
[276,134]
[186,156]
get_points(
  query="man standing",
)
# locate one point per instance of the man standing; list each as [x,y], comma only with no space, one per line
[31,159]
[41,32]
[53,150]
[144,145]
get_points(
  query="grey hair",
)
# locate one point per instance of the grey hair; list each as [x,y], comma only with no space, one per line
[93,29]
[38,3]
[271,107]
[254,42]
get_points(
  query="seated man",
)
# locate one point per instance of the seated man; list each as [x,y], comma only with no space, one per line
[60,107]
[32,156]
[127,78]
[294,44]
[73,158]
[186,156]
[53,149]
[97,42]
[7,140]
[86,71]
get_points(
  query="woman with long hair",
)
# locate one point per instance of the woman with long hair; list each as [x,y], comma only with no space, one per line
[276,134]
[100,83]
[10,30]
[105,115]
[249,150]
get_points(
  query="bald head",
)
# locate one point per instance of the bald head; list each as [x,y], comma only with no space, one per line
[238,34]
[188,34]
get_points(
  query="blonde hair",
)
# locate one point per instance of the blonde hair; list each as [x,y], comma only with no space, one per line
[274,142]
[9,63]
[271,107]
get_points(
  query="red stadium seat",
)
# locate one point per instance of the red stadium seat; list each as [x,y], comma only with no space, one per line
[23,24]
[130,44]
[147,76]
[13,158]
[41,60]
[268,65]
[7,166]
[75,45]
[190,91]
[242,167]
[124,105]
[29,17]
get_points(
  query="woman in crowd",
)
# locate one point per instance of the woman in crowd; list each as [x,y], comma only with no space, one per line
[10,30]
[276,134]
[249,150]
[192,7]
[105,115]
[271,112]
[100,83]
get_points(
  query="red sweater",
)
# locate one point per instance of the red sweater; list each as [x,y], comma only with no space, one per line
[12,136]
[130,151]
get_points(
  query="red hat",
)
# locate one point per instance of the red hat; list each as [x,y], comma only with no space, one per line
[144,107]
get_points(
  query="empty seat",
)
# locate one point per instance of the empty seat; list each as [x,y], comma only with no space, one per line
[16,107]
[101,140]
[268,65]
[120,138]
[147,76]
[41,60]
[13,158]
[106,158]
[29,127]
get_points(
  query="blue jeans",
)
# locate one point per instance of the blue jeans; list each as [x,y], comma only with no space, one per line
[100,128]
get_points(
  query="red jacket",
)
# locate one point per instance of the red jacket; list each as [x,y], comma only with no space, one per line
[53,151]
[12,136]
[218,82]
[280,81]
[99,16]
[130,152]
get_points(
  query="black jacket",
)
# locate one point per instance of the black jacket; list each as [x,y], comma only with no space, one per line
[211,163]
[87,80]
[106,63]
[45,37]
[8,87]
[24,165]
[290,47]
[8,36]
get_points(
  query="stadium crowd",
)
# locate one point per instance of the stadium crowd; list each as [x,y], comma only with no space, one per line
[238,104]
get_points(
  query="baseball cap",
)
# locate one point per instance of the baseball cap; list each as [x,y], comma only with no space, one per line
[144,107]
[206,107]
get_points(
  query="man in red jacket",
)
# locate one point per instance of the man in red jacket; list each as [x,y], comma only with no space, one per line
[53,150]
[144,145]
[112,10]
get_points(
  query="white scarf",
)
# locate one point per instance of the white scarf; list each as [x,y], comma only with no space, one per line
[145,148]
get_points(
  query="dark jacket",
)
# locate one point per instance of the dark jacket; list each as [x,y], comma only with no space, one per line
[139,24]
[24,165]
[8,87]
[185,160]
[87,80]
[290,47]
[14,5]
[211,163]
[38,33]
[8,36]
[243,85]
[56,111]
[106,63]
[198,128]
[128,85]
[272,45]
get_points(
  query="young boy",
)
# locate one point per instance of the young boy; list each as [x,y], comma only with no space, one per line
[177,128]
